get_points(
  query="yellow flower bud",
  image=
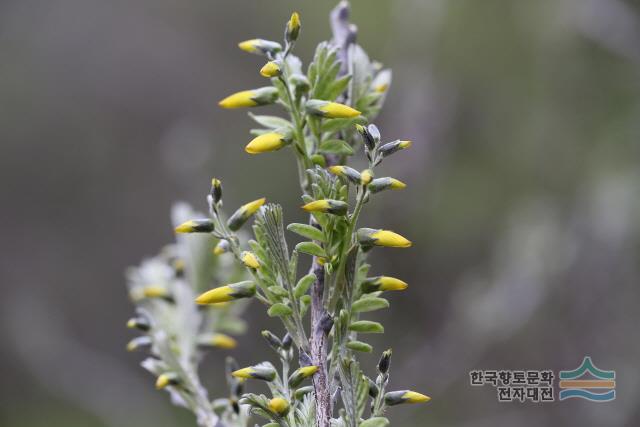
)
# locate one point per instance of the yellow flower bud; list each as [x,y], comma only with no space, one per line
[369,237]
[330,110]
[226,293]
[404,396]
[293,28]
[336,207]
[260,46]
[266,142]
[196,226]
[383,283]
[390,239]
[366,176]
[301,373]
[166,380]
[250,98]
[265,373]
[279,405]
[250,260]
[241,216]
[218,340]
[153,291]
[271,69]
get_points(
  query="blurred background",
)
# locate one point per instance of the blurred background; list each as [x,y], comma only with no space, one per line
[523,201]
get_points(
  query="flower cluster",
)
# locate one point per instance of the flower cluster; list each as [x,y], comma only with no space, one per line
[174,332]
[330,108]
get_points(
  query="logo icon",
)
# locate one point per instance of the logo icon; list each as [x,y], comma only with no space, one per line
[588,382]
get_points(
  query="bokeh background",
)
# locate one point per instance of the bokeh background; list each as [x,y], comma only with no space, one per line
[523,201]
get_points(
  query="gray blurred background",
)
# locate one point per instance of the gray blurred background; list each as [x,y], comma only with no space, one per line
[523,200]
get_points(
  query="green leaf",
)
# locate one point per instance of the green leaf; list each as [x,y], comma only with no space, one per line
[332,125]
[311,249]
[366,327]
[359,346]
[303,285]
[278,290]
[335,146]
[375,422]
[369,304]
[279,310]
[271,122]
[306,230]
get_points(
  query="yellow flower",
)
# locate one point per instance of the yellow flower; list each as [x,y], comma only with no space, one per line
[390,239]
[239,100]
[391,147]
[250,98]
[369,237]
[260,46]
[336,207]
[346,172]
[166,380]
[271,69]
[265,373]
[404,396]
[330,110]
[241,216]
[293,27]
[154,292]
[226,293]
[380,184]
[366,176]
[221,248]
[383,283]
[301,373]
[250,260]
[196,226]
[266,142]
[279,405]
[219,340]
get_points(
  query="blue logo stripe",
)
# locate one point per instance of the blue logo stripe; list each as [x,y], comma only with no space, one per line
[584,394]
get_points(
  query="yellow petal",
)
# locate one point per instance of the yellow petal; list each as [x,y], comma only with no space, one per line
[239,100]
[223,341]
[390,239]
[270,69]
[334,110]
[249,45]
[397,184]
[317,206]
[221,294]
[243,373]
[392,284]
[413,397]
[266,142]
[162,381]
[249,259]
[278,405]
[252,207]
[154,292]
[307,371]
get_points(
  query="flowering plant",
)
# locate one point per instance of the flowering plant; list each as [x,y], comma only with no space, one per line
[330,109]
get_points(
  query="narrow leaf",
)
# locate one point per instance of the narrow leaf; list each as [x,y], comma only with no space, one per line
[359,346]
[335,146]
[303,285]
[306,230]
[279,310]
[310,248]
[367,327]
[369,304]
